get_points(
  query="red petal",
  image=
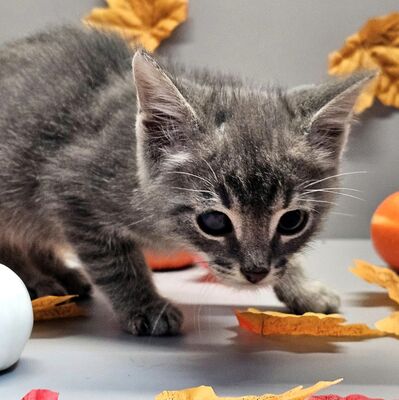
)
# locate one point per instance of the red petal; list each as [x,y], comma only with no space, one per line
[336,397]
[41,394]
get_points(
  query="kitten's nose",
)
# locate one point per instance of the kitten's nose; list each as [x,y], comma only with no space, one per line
[255,275]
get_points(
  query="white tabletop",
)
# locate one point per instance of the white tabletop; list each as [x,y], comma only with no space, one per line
[89,358]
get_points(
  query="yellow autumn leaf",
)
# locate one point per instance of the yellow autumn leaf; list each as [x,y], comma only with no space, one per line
[312,324]
[53,307]
[207,393]
[375,47]
[389,324]
[141,22]
[381,276]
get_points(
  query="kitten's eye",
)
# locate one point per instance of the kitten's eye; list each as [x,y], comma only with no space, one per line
[292,222]
[215,223]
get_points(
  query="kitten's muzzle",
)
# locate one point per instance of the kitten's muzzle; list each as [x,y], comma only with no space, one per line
[254,275]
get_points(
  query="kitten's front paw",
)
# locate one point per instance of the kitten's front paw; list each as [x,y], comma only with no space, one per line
[317,298]
[159,318]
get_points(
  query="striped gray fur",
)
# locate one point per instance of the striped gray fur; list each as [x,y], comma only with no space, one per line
[105,162]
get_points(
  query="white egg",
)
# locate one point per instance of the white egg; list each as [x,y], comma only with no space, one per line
[16,317]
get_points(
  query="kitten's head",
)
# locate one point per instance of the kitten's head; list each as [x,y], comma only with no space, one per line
[242,176]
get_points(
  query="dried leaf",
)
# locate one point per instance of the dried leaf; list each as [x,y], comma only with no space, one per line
[49,301]
[53,307]
[380,276]
[389,324]
[312,324]
[375,46]
[144,22]
[207,393]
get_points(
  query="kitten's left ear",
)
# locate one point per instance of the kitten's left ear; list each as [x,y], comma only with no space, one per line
[163,117]
[329,110]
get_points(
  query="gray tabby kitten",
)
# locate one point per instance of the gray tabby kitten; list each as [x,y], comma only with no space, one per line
[109,163]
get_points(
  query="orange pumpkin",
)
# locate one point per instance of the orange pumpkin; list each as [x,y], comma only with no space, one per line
[159,262]
[385,230]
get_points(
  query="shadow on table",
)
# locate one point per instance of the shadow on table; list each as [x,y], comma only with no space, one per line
[292,344]
[369,299]
[204,332]
[9,369]
[24,365]
[217,355]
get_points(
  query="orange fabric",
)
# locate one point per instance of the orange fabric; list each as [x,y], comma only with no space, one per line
[158,262]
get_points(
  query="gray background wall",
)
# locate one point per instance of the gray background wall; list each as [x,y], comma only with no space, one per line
[269,40]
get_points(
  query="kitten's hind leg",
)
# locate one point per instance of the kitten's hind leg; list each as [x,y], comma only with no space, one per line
[38,284]
[52,264]
[301,294]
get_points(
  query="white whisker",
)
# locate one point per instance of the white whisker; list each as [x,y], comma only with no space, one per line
[342,214]
[159,317]
[336,193]
[318,201]
[193,175]
[140,220]
[210,167]
[197,314]
[332,176]
[333,188]
[193,190]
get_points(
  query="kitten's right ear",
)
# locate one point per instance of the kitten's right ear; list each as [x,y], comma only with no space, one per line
[326,110]
[163,115]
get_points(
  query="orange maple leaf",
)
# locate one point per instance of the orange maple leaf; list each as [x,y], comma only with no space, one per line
[381,276]
[313,324]
[141,22]
[389,324]
[53,307]
[376,47]
[207,393]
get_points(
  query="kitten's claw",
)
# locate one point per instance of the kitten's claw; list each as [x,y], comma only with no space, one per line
[317,298]
[160,318]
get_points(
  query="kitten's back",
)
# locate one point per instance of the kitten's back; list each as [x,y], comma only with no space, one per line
[49,85]
[58,70]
